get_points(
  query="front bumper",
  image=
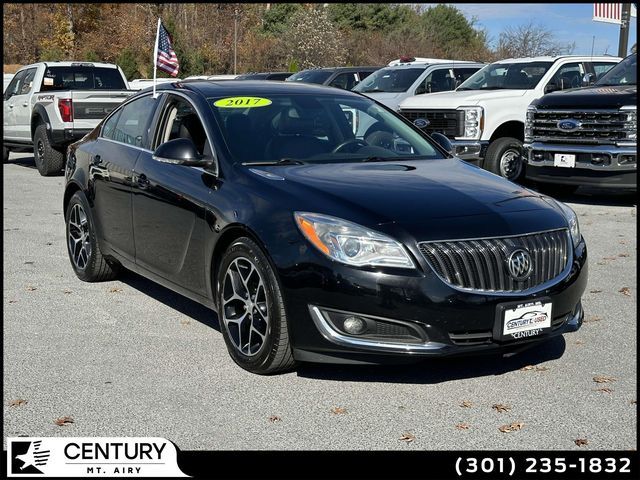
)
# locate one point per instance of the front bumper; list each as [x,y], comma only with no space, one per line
[454,322]
[469,150]
[604,166]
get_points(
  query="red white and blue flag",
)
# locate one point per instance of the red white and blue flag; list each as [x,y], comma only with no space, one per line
[166,59]
[610,12]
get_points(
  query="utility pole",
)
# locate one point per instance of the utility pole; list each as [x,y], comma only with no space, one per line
[624,30]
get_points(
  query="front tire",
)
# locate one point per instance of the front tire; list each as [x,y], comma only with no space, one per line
[84,252]
[49,160]
[251,310]
[504,158]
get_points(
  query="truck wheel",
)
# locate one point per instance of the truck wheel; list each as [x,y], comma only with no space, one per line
[48,159]
[6,154]
[82,243]
[504,158]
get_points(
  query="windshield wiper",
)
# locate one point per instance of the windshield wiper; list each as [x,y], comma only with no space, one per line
[282,161]
[379,159]
[372,91]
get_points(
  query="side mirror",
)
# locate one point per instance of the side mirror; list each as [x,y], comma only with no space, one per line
[443,141]
[421,89]
[180,151]
[551,87]
[588,79]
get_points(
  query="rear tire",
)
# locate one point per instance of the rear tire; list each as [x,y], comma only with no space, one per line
[251,310]
[49,160]
[504,158]
[82,244]
[5,152]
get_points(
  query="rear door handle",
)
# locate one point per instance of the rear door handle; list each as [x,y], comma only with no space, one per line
[25,104]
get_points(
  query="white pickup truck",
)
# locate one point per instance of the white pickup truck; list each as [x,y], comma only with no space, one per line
[49,105]
[484,117]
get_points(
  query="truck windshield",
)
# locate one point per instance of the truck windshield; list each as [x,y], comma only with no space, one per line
[310,76]
[513,76]
[82,78]
[624,73]
[389,80]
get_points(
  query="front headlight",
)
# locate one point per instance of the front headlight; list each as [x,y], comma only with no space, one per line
[631,122]
[473,122]
[572,220]
[528,124]
[350,243]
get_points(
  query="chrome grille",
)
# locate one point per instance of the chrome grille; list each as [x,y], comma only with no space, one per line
[447,122]
[597,126]
[481,264]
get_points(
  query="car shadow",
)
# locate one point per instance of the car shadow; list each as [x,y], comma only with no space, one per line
[28,162]
[596,196]
[437,370]
[171,299]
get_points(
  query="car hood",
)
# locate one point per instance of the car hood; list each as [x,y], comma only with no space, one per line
[459,98]
[591,97]
[426,198]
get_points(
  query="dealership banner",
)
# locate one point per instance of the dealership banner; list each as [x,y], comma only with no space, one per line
[91,456]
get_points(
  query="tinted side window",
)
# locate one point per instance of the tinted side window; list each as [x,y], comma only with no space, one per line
[15,85]
[132,126]
[600,68]
[345,81]
[110,125]
[182,121]
[569,76]
[81,78]
[463,73]
[27,83]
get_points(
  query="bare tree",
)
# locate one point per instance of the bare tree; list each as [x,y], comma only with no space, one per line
[530,40]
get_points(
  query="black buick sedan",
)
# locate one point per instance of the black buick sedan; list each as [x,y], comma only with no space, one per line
[320,226]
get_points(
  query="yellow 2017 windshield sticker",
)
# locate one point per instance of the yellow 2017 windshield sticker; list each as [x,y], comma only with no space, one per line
[242,102]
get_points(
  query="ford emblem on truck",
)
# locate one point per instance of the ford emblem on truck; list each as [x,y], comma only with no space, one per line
[569,125]
[421,122]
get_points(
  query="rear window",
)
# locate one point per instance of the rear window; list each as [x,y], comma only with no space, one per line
[81,78]
[310,76]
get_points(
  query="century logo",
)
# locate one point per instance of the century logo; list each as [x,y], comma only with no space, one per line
[114,451]
[28,457]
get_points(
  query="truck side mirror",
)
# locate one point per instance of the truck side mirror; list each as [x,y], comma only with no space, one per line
[551,87]
[588,79]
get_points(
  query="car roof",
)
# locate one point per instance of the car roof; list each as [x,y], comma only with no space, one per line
[558,57]
[212,88]
[340,69]
[74,64]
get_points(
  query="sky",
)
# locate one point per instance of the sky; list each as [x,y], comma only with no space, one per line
[570,22]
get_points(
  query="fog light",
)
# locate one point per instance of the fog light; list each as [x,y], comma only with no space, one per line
[354,325]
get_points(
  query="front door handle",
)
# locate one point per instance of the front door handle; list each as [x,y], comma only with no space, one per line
[25,104]
[143,181]
[97,160]
[10,105]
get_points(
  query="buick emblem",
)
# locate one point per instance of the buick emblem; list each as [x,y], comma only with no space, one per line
[519,264]
[569,125]
[421,122]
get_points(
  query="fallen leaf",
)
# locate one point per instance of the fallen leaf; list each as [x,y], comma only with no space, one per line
[608,258]
[592,318]
[49,243]
[462,426]
[63,421]
[603,379]
[18,403]
[407,437]
[338,410]
[595,291]
[579,342]
[274,419]
[185,322]
[31,288]
[623,255]
[466,404]
[581,441]
[29,263]
[115,290]
[401,407]
[67,291]
[13,301]
[604,390]
[542,368]
[513,427]
[499,407]
[622,242]
[625,291]
[527,368]
[633,402]
[601,263]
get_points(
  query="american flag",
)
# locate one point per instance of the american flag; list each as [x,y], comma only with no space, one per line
[610,12]
[166,57]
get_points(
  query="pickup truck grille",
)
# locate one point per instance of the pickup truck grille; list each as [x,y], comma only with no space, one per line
[93,110]
[481,264]
[593,127]
[447,122]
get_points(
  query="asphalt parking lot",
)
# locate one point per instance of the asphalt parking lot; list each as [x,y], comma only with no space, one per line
[131,358]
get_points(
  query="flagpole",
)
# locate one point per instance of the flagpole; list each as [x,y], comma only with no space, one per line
[155,58]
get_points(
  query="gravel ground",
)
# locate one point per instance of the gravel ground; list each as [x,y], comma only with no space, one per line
[131,358]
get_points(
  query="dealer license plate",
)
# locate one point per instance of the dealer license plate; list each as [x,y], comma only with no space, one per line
[567,160]
[520,321]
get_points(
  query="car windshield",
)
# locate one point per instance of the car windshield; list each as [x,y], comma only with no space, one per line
[389,80]
[512,76]
[308,128]
[624,73]
[310,76]
[81,78]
